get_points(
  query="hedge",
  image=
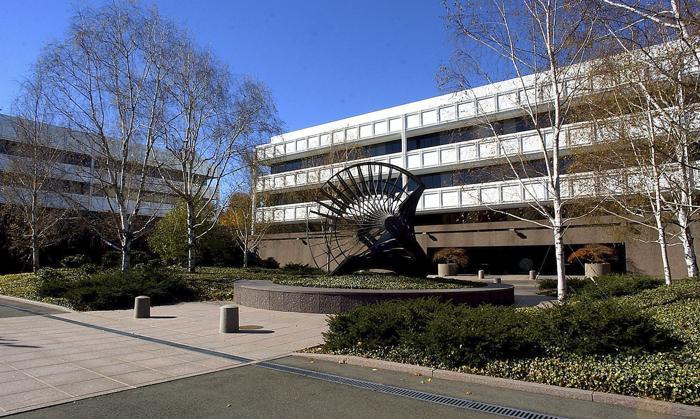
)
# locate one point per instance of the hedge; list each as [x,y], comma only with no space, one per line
[646,344]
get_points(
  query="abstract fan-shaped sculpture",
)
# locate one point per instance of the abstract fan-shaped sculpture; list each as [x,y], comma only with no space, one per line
[366,213]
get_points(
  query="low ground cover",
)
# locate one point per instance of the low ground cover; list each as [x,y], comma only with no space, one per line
[642,342]
[91,288]
[373,281]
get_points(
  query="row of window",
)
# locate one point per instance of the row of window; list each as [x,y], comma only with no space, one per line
[486,174]
[16,148]
[475,132]
[356,153]
[66,186]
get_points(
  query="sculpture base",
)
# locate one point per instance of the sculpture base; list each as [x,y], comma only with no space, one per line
[270,296]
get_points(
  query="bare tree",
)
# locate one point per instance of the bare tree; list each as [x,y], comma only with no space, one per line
[662,37]
[105,81]
[542,43]
[239,216]
[31,173]
[210,120]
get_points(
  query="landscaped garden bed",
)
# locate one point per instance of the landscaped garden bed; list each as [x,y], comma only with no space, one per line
[92,288]
[640,342]
[374,281]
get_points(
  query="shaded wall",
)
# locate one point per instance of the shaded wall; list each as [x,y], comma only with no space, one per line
[640,256]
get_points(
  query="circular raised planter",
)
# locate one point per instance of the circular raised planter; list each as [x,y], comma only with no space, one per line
[270,296]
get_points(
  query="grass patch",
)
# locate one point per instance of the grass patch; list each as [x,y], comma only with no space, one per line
[644,343]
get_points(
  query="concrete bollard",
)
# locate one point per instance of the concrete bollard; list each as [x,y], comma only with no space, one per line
[497,280]
[533,275]
[481,274]
[142,307]
[228,322]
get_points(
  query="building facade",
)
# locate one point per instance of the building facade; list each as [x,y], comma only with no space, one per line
[462,147]
[75,180]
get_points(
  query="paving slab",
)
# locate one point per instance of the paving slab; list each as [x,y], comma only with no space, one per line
[50,356]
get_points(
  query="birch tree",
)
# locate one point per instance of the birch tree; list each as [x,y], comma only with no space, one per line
[541,43]
[31,172]
[240,217]
[662,37]
[105,82]
[210,118]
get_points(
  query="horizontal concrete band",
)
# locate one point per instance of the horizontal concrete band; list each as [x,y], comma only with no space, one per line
[658,406]
[270,296]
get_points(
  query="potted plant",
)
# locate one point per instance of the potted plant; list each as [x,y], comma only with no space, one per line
[597,258]
[449,260]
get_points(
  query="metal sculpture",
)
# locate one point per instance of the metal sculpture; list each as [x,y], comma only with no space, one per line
[366,212]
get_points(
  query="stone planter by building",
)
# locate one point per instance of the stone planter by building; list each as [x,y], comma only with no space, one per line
[447,269]
[594,270]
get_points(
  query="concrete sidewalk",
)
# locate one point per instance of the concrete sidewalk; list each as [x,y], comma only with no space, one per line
[525,288]
[55,357]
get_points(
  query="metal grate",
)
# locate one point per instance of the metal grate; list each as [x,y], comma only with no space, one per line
[410,393]
[332,378]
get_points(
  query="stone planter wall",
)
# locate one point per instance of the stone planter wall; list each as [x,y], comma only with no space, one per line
[269,296]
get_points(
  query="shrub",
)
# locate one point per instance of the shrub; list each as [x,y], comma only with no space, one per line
[378,326]
[604,287]
[451,255]
[114,289]
[75,261]
[113,258]
[601,327]
[444,335]
[593,253]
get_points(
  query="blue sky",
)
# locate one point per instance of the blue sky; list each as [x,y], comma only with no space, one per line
[323,60]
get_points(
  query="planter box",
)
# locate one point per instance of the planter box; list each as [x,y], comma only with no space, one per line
[594,270]
[447,269]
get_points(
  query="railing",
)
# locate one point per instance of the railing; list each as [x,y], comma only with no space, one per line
[473,107]
[453,197]
[523,143]
[503,193]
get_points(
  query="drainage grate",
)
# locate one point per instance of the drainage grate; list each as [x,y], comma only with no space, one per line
[410,393]
[332,378]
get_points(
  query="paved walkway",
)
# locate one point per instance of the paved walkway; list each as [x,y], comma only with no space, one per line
[525,288]
[62,356]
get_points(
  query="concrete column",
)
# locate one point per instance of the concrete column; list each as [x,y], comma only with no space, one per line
[533,275]
[142,307]
[481,274]
[228,321]
[404,148]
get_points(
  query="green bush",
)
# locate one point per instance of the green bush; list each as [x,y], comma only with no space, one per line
[113,289]
[601,327]
[378,326]
[75,261]
[445,335]
[603,287]
[472,336]
[113,258]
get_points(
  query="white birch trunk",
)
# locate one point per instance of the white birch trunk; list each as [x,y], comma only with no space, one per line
[687,240]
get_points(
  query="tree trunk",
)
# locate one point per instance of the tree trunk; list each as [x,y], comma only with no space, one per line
[664,249]
[687,240]
[559,256]
[245,255]
[35,253]
[190,238]
[35,239]
[126,257]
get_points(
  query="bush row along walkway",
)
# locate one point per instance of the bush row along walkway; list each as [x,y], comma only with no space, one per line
[45,360]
